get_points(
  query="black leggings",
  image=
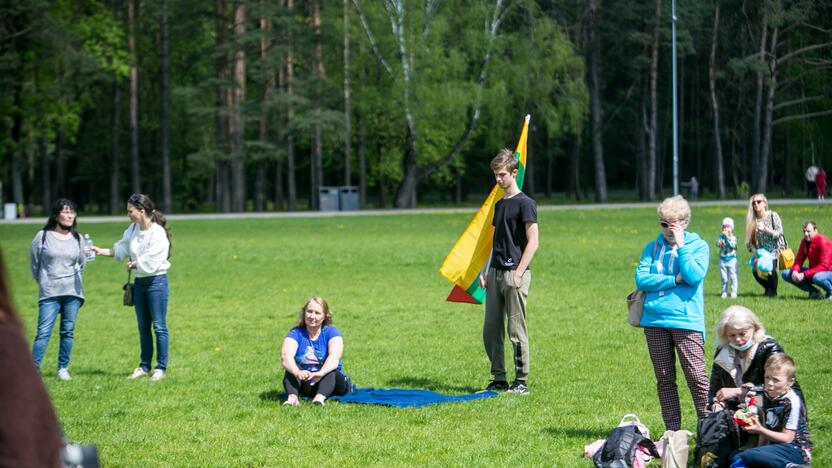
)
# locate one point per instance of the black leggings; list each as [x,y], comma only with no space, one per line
[770,283]
[333,383]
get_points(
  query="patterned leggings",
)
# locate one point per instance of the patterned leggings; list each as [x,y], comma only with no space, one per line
[664,344]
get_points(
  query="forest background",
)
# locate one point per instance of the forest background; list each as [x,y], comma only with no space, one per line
[232,105]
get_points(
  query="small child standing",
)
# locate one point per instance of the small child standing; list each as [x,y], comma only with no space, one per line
[727,244]
[784,437]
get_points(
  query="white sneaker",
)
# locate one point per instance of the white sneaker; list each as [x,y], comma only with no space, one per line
[291,400]
[319,400]
[733,295]
[137,372]
[158,374]
[63,374]
[724,295]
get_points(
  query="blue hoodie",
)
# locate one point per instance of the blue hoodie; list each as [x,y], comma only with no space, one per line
[671,305]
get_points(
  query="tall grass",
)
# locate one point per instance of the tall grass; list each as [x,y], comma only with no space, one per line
[237,286]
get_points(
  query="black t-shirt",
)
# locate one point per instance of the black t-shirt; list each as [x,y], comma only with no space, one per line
[510,218]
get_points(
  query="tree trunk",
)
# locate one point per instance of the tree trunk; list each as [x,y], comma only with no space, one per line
[291,186]
[115,130]
[574,185]
[406,195]
[652,129]
[167,196]
[720,168]
[223,198]
[758,104]
[268,90]
[596,116]
[60,165]
[45,174]
[347,99]
[528,181]
[765,151]
[135,176]
[316,174]
[641,144]
[362,165]
[238,181]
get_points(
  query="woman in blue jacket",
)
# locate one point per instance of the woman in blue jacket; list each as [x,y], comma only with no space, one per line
[671,272]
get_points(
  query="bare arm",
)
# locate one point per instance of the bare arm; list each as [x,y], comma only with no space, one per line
[532,235]
[287,359]
[783,437]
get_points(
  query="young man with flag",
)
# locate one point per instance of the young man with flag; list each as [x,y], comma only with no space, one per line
[506,276]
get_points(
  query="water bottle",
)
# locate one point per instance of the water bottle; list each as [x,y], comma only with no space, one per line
[88,251]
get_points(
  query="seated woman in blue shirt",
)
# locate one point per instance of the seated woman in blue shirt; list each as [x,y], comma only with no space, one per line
[311,356]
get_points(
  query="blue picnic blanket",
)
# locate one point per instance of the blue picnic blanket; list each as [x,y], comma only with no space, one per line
[401,398]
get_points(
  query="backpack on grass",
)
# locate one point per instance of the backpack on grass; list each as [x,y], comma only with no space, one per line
[717,436]
[620,448]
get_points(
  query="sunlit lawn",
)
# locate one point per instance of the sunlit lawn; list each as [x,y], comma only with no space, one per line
[236,288]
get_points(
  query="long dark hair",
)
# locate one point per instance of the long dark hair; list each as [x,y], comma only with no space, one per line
[55,211]
[143,202]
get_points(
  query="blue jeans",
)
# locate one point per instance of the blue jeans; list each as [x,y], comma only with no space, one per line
[150,298]
[822,279]
[771,455]
[48,310]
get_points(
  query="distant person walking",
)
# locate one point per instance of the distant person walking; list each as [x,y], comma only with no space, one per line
[820,183]
[764,230]
[146,246]
[57,260]
[811,174]
[672,271]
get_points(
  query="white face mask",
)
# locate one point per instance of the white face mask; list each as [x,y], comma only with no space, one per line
[748,344]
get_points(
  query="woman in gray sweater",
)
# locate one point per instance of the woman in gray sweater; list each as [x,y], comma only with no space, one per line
[57,260]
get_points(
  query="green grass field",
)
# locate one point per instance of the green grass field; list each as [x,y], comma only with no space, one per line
[237,286]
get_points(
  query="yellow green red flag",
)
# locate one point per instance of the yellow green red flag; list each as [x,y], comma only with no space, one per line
[465,260]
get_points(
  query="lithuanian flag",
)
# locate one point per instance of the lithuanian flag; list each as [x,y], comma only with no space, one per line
[465,260]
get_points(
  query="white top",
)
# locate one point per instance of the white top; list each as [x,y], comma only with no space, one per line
[148,248]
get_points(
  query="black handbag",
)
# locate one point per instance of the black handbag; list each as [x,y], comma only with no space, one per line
[128,291]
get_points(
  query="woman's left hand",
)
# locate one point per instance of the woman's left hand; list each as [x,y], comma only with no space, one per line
[314,377]
[131,265]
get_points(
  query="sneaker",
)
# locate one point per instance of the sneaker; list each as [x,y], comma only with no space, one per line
[518,388]
[815,295]
[63,374]
[319,400]
[724,295]
[497,386]
[138,372]
[733,295]
[291,400]
[158,374]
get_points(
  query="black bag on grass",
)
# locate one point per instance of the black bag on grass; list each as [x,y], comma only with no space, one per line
[620,448]
[717,436]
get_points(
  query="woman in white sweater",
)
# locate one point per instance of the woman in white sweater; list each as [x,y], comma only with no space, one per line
[146,246]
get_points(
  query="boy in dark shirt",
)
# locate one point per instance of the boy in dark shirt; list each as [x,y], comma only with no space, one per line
[506,277]
[784,435]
